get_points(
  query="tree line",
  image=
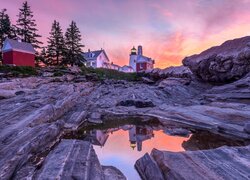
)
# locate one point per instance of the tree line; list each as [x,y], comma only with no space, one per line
[62,48]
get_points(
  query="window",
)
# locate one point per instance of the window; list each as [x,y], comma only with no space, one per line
[141,66]
[93,63]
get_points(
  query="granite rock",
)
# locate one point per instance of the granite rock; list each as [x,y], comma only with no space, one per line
[221,163]
[75,159]
[247,128]
[222,64]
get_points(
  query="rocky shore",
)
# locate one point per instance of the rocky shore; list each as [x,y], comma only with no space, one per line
[221,163]
[37,111]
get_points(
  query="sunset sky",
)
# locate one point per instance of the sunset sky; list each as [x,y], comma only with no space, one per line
[168,29]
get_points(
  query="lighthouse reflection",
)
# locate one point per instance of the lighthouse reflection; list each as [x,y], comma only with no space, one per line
[136,135]
[139,134]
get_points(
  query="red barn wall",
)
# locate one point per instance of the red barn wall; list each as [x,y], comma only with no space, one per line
[19,58]
[8,57]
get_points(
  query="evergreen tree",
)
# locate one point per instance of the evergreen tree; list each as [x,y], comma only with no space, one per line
[41,57]
[56,45]
[6,30]
[73,45]
[26,26]
[5,27]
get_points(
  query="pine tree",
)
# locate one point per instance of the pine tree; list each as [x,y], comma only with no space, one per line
[5,26]
[6,30]
[26,26]
[41,57]
[56,45]
[73,45]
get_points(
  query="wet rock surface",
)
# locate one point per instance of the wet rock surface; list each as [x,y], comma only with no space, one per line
[75,159]
[148,168]
[247,128]
[112,173]
[137,104]
[205,141]
[177,132]
[220,163]
[32,123]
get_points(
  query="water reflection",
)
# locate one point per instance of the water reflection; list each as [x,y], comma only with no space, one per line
[135,136]
[139,134]
[122,145]
[206,140]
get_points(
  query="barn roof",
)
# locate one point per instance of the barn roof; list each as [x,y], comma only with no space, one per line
[10,44]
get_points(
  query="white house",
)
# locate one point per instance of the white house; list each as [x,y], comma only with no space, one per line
[126,69]
[114,66]
[97,59]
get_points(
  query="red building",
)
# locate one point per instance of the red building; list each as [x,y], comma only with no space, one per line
[144,65]
[18,53]
[139,62]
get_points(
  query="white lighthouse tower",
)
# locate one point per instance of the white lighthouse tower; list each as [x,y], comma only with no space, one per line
[133,58]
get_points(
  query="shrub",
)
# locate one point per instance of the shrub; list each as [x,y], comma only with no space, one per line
[58,73]
[103,73]
[18,70]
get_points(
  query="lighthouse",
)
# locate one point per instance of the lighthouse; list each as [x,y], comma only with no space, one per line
[133,58]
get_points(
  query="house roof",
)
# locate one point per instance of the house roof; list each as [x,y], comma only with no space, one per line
[141,58]
[126,66]
[112,64]
[92,55]
[10,45]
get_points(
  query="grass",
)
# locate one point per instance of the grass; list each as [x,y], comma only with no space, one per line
[18,70]
[99,73]
[103,73]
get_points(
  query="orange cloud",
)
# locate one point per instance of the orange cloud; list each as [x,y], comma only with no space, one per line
[168,30]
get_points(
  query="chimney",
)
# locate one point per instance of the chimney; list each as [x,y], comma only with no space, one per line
[89,54]
[140,50]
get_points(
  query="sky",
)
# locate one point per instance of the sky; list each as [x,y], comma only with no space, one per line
[168,30]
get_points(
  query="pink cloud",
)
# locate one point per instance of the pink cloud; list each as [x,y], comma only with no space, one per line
[168,30]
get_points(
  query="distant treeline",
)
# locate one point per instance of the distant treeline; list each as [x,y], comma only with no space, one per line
[61,49]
